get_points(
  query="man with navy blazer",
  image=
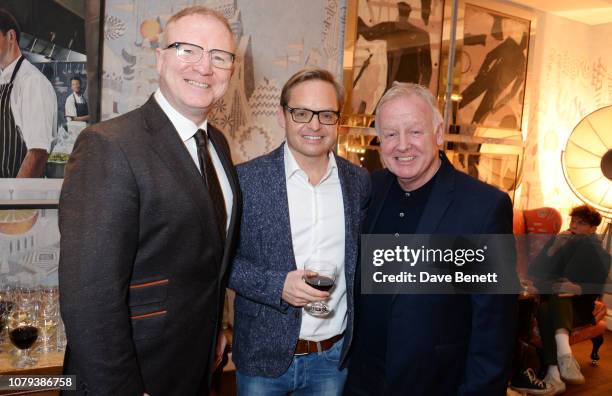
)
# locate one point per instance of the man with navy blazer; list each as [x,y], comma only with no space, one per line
[302,204]
[414,344]
[146,239]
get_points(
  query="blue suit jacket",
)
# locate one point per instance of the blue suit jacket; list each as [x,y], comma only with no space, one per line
[443,344]
[266,328]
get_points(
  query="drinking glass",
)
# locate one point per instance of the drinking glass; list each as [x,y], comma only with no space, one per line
[6,306]
[48,318]
[23,331]
[322,276]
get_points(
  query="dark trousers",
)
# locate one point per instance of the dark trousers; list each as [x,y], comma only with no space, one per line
[557,312]
[554,313]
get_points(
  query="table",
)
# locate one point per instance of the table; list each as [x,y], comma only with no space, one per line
[48,364]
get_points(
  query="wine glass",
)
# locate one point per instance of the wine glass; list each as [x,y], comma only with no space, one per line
[23,331]
[6,306]
[48,319]
[321,275]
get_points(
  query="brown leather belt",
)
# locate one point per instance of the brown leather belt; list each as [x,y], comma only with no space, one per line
[305,347]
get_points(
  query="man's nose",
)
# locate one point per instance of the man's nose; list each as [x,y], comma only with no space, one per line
[204,66]
[404,142]
[314,123]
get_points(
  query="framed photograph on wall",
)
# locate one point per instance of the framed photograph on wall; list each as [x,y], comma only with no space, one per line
[395,41]
[39,140]
[493,62]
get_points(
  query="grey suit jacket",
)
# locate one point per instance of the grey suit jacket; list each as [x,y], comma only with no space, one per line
[266,328]
[142,271]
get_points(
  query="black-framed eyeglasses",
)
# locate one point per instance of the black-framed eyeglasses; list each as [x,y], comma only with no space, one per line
[303,116]
[191,53]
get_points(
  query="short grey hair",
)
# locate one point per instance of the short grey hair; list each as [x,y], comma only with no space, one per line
[405,89]
[196,10]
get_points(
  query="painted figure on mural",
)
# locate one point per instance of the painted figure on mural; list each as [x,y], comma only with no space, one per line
[501,74]
[408,47]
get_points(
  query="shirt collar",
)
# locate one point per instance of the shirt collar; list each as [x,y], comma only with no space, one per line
[292,167]
[183,125]
[9,69]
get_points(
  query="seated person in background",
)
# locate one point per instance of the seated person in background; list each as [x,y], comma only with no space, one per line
[575,267]
[76,106]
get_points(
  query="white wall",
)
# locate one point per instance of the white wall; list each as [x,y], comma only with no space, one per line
[571,76]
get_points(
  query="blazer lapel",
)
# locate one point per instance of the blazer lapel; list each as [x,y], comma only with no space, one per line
[350,199]
[377,202]
[280,210]
[168,145]
[439,199]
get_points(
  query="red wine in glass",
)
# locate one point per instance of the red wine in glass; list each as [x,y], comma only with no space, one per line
[321,275]
[23,337]
[320,282]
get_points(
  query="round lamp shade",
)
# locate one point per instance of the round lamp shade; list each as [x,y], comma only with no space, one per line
[587,160]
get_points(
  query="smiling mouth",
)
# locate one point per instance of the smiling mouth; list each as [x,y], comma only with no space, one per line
[405,159]
[313,138]
[197,84]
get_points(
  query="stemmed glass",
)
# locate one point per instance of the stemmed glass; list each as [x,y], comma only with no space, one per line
[321,275]
[23,330]
[48,318]
[6,306]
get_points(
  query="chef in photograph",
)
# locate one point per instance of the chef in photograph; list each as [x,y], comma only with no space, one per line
[28,108]
[76,104]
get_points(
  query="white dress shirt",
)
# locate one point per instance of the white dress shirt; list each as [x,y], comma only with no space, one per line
[186,129]
[34,104]
[316,215]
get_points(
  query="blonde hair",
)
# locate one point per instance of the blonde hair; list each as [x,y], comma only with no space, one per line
[308,74]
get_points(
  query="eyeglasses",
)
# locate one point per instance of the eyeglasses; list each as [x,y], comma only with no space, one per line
[191,53]
[303,116]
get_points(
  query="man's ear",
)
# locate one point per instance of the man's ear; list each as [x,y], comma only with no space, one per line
[11,35]
[439,135]
[280,117]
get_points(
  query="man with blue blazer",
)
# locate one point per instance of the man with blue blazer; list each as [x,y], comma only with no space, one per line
[302,204]
[414,344]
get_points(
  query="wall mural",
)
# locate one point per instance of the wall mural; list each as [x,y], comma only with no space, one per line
[271,46]
[396,41]
[29,247]
[29,238]
[494,66]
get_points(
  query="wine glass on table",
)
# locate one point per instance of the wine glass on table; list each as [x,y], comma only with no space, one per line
[23,332]
[48,318]
[322,276]
[6,306]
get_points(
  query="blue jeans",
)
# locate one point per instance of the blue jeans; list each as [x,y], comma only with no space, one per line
[312,374]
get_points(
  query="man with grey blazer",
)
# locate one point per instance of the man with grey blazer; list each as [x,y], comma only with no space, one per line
[302,205]
[149,216]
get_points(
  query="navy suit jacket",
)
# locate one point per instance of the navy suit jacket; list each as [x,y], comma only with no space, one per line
[266,328]
[444,344]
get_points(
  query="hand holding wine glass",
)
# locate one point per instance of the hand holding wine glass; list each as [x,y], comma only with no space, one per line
[297,292]
[320,275]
